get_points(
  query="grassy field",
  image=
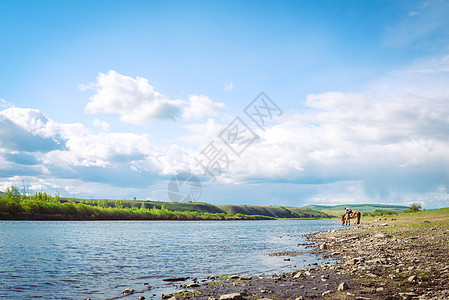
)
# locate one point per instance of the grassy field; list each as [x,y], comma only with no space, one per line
[358,207]
[274,211]
[422,219]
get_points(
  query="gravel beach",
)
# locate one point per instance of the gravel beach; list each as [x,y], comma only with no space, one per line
[381,259]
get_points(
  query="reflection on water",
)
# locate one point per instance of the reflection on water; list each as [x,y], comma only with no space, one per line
[98,260]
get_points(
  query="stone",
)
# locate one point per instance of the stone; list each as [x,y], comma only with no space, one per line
[128,292]
[233,296]
[246,278]
[141,298]
[343,286]
[384,225]
[299,298]
[298,275]
[380,235]
[308,273]
[411,278]
[175,279]
[234,277]
[408,295]
[380,289]
[323,246]
[287,259]
[325,293]
[212,298]
[193,285]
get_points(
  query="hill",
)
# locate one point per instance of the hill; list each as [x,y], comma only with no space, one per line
[274,211]
[359,207]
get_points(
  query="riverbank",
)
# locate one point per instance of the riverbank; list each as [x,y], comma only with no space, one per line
[405,257]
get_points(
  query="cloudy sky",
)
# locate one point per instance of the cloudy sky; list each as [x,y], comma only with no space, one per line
[111,99]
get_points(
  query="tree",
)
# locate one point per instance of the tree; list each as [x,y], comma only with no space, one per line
[13,194]
[414,207]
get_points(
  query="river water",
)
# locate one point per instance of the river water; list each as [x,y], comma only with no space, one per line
[98,260]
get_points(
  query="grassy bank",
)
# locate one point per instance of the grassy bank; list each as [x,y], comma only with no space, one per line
[13,205]
[42,206]
[275,211]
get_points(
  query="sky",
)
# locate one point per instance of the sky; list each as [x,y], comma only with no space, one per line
[264,102]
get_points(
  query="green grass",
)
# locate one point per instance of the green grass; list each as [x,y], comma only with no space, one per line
[274,211]
[358,207]
[42,206]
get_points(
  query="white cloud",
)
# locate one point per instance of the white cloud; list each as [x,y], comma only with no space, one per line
[201,106]
[133,98]
[229,86]
[103,125]
[137,102]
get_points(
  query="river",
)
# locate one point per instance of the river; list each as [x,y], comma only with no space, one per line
[98,260]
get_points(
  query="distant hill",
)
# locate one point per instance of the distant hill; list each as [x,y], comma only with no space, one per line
[202,207]
[359,207]
[274,211]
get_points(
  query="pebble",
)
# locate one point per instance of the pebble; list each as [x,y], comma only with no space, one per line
[233,296]
[343,286]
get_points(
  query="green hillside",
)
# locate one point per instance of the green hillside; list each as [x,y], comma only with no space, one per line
[274,211]
[359,207]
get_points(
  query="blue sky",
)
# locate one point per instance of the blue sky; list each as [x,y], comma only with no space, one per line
[111,99]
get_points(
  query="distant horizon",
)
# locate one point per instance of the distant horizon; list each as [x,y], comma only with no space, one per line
[269,103]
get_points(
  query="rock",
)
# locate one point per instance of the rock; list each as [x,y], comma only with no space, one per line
[323,246]
[234,277]
[299,298]
[411,278]
[380,235]
[308,273]
[141,298]
[264,291]
[166,296]
[384,225]
[326,276]
[246,278]
[128,292]
[380,289]
[426,221]
[193,285]
[325,293]
[287,259]
[233,296]
[175,279]
[298,275]
[343,286]
[212,298]
[408,295]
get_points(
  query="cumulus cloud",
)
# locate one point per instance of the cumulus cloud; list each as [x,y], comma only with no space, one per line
[137,102]
[201,106]
[134,99]
[103,125]
[28,130]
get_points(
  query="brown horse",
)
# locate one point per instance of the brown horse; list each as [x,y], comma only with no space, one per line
[347,221]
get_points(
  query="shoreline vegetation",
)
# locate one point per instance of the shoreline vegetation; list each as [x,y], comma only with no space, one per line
[43,206]
[395,257]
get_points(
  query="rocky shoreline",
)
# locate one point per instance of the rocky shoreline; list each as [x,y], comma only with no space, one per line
[374,261]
